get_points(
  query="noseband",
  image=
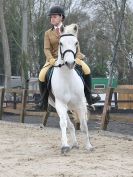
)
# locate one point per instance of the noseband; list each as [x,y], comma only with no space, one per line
[69,50]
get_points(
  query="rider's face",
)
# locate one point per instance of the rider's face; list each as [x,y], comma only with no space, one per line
[55,19]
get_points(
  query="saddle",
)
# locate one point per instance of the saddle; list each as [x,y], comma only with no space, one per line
[48,77]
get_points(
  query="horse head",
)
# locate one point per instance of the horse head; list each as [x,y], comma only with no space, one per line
[68,45]
[70,29]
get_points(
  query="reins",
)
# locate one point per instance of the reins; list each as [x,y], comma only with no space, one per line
[59,65]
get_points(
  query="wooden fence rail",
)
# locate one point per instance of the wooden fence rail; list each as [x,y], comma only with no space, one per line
[107,106]
[22,111]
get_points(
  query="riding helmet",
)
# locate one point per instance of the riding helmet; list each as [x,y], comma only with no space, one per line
[57,10]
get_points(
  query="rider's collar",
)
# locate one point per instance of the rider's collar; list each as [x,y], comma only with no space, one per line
[58,25]
[54,27]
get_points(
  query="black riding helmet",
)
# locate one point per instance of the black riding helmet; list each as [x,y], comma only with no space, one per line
[57,10]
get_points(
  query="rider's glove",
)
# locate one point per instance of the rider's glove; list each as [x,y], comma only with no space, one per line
[52,61]
[78,61]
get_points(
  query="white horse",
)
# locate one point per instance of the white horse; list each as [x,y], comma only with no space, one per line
[68,89]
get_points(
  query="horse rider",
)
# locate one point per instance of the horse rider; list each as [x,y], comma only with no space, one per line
[51,41]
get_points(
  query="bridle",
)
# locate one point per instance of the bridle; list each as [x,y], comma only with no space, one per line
[69,50]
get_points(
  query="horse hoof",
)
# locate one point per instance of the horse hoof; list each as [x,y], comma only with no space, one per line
[90,149]
[65,149]
[75,146]
[42,126]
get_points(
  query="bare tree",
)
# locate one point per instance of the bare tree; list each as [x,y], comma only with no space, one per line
[7,62]
[24,64]
[107,15]
[118,37]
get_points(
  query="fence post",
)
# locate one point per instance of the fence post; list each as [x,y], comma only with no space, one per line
[116,100]
[14,100]
[2,92]
[46,115]
[107,104]
[24,99]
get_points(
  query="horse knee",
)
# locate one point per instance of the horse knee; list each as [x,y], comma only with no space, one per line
[70,126]
[63,123]
[83,126]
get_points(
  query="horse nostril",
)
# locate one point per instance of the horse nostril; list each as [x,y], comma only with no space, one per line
[66,63]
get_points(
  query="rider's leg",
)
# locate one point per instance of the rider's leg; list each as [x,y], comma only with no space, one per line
[87,78]
[43,104]
[90,99]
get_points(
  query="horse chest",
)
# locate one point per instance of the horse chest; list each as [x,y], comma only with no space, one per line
[67,86]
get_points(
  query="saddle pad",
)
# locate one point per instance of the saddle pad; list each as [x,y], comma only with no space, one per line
[48,77]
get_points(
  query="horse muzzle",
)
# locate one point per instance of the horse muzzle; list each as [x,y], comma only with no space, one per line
[70,65]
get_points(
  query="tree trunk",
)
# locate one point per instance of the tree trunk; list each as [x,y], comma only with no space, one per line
[24,64]
[118,37]
[7,61]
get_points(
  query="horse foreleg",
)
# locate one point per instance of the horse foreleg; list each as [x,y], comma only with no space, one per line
[84,128]
[62,112]
[72,132]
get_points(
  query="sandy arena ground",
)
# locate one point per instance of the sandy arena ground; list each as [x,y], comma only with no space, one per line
[29,151]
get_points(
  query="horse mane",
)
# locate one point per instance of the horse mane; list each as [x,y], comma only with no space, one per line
[71,29]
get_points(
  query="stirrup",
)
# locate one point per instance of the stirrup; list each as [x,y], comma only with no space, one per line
[91,107]
[41,106]
[95,99]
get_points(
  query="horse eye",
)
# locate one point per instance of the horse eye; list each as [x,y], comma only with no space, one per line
[76,43]
[61,44]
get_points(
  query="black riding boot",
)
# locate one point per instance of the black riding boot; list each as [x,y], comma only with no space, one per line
[90,99]
[43,103]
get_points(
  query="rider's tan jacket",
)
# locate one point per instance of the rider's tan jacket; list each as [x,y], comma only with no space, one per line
[51,43]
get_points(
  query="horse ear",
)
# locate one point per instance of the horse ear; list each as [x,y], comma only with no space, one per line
[75,28]
[62,29]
